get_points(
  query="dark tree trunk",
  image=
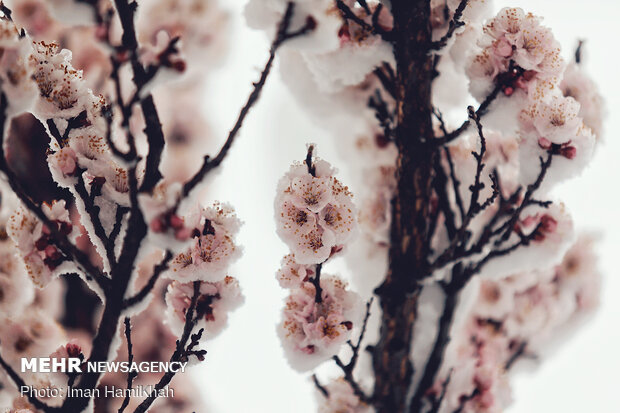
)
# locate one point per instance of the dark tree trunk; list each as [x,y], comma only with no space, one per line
[410,207]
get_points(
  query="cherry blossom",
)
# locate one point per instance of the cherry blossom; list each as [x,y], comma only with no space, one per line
[315,213]
[312,331]
[213,248]
[518,37]
[215,301]
[341,398]
[36,244]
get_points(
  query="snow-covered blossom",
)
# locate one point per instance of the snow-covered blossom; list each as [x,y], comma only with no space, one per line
[36,243]
[313,330]
[375,212]
[215,301]
[314,212]
[578,85]
[213,247]
[15,72]
[34,16]
[517,51]
[199,23]
[292,274]
[322,14]
[32,333]
[554,125]
[341,399]
[512,318]
[72,13]
[554,233]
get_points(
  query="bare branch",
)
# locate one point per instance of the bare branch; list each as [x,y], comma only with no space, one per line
[455,23]
[282,36]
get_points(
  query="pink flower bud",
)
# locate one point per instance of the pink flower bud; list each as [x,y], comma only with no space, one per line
[65,228]
[569,152]
[344,35]
[157,225]
[544,143]
[73,350]
[176,222]
[308,350]
[549,224]
[41,243]
[52,252]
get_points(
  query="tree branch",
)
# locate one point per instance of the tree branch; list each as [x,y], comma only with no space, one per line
[455,23]
[182,352]
[157,271]
[131,375]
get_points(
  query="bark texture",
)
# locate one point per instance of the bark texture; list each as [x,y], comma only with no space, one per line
[410,207]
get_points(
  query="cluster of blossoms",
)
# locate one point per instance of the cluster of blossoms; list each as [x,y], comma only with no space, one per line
[201,25]
[315,218]
[512,319]
[36,243]
[315,212]
[519,54]
[516,50]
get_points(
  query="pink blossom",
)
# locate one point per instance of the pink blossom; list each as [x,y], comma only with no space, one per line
[35,241]
[212,249]
[292,274]
[314,214]
[65,160]
[32,333]
[514,36]
[312,331]
[341,399]
[215,301]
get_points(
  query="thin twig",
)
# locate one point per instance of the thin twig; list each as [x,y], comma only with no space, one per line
[182,349]
[320,387]
[481,111]
[374,28]
[455,23]
[157,271]
[282,36]
[348,368]
[131,375]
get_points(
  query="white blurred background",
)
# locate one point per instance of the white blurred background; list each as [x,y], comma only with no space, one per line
[245,370]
